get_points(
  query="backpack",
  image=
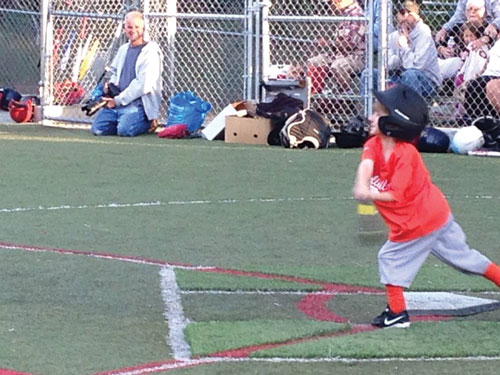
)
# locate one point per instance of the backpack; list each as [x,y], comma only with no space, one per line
[305,129]
[6,96]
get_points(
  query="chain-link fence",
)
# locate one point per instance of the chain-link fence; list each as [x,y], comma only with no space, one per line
[328,43]
[467,59]
[221,50]
[204,45]
[20,45]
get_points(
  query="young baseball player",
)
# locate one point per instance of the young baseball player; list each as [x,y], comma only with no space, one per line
[393,175]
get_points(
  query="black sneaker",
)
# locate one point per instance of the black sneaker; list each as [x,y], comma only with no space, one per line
[388,319]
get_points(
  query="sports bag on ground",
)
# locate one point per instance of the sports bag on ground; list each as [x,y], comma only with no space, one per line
[6,96]
[433,140]
[306,129]
[353,134]
[490,127]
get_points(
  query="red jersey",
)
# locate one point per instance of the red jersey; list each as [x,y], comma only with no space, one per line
[419,207]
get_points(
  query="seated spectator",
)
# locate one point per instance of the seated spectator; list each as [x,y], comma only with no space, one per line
[412,55]
[346,51]
[474,63]
[482,95]
[136,70]
[449,52]
[493,95]
[492,17]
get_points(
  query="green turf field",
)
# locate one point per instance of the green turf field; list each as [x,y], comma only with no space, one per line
[121,255]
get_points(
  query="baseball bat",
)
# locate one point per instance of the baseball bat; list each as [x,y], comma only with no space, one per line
[66,51]
[493,154]
[88,60]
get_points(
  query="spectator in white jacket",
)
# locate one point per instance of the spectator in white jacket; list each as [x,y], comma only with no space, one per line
[136,71]
[412,55]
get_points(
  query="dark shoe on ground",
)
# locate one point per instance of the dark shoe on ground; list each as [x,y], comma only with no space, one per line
[388,319]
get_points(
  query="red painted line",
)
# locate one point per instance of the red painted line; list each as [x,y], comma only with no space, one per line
[4,371]
[152,368]
[314,306]
[94,254]
[145,367]
[332,287]
[245,352]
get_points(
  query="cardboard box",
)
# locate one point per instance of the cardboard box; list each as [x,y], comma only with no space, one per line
[247,130]
[214,129]
[216,126]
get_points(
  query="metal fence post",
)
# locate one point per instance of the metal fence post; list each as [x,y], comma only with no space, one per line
[171,48]
[383,42]
[249,48]
[266,40]
[45,38]
[258,39]
[368,99]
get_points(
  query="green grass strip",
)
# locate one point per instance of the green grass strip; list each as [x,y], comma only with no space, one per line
[432,340]
[449,279]
[196,280]
[210,337]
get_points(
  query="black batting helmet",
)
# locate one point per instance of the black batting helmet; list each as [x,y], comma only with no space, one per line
[408,112]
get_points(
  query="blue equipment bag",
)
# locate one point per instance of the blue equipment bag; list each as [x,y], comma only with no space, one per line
[189,109]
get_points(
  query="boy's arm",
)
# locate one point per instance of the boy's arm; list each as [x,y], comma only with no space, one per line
[361,189]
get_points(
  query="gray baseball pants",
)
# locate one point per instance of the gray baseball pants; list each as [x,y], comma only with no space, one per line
[399,262]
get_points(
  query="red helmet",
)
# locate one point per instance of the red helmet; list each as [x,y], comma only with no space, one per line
[23,110]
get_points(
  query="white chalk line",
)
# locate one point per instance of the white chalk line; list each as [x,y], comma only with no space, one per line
[194,202]
[272,292]
[138,260]
[210,360]
[166,143]
[352,360]
[168,203]
[174,314]
[305,292]
[120,258]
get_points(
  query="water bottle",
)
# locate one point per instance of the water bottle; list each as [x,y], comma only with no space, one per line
[451,43]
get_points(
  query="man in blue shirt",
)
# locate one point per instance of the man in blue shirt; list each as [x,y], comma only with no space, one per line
[137,71]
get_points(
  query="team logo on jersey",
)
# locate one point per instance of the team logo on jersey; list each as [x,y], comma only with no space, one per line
[378,184]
